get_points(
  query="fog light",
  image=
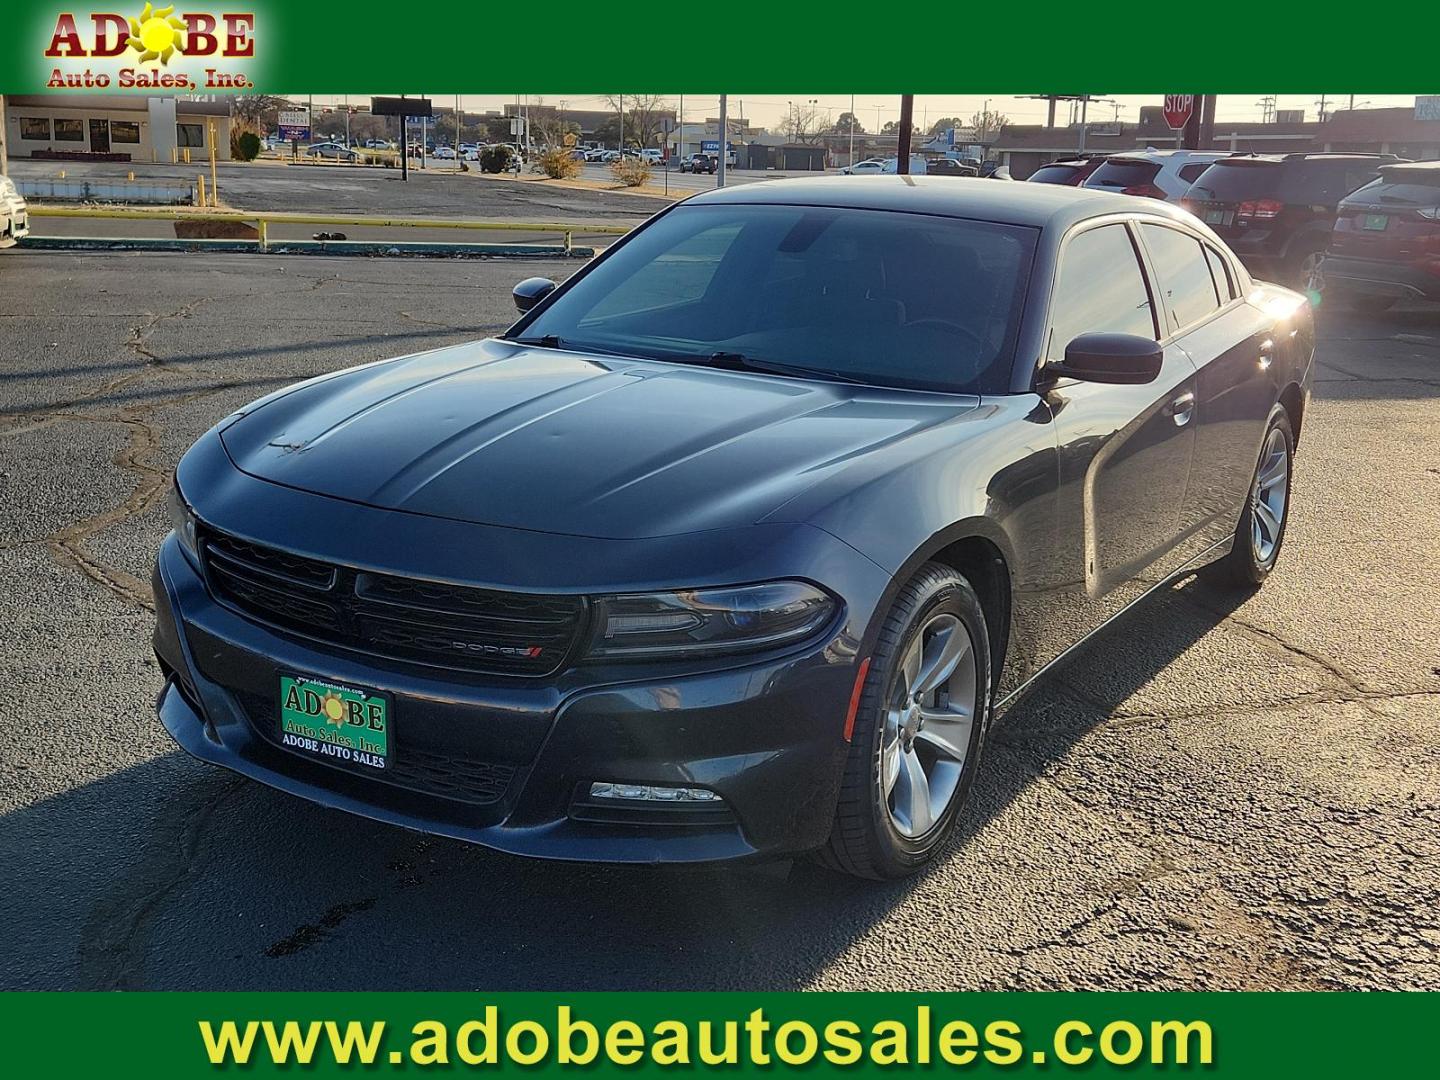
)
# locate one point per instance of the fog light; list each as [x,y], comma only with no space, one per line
[653,793]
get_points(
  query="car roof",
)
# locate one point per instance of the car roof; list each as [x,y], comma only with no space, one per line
[1036,205]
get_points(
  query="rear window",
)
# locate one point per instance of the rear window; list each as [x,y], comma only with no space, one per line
[1120,172]
[1403,187]
[1231,181]
[1054,174]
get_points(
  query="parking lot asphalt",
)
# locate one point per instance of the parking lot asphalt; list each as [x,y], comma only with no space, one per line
[1219,792]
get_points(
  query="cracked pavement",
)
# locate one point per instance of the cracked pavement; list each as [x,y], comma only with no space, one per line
[1219,792]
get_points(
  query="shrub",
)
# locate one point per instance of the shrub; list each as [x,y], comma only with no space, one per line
[631,171]
[244,146]
[558,164]
[495,159]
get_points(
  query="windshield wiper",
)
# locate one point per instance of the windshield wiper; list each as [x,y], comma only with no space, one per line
[734,361]
[552,341]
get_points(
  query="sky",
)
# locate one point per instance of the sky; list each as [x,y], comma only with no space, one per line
[769,110]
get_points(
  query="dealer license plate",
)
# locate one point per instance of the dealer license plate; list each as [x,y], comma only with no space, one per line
[342,725]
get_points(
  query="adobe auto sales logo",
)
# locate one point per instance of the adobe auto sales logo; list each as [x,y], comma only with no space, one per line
[151,50]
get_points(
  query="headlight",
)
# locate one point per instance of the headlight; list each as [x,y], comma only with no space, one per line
[182,520]
[706,621]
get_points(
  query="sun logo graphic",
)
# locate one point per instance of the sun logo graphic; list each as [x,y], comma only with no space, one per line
[157,34]
[332,707]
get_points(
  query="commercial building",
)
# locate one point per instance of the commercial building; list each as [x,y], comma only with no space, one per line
[114,127]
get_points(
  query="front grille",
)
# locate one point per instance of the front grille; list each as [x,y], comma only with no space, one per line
[448,776]
[426,622]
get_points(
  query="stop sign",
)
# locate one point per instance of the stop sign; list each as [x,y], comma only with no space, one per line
[1178,108]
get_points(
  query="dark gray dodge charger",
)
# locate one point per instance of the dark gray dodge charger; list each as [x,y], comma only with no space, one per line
[734,545]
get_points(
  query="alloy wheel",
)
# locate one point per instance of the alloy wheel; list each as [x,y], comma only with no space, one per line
[928,723]
[1269,497]
[1312,272]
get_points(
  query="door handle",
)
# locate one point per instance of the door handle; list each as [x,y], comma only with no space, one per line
[1181,408]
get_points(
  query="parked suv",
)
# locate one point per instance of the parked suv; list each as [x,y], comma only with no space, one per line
[1276,211]
[1153,174]
[1386,242]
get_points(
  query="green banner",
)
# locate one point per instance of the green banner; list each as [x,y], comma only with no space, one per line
[1237,1035]
[575,46]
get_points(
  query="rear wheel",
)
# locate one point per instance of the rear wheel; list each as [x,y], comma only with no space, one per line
[1261,530]
[1308,272]
[918,730]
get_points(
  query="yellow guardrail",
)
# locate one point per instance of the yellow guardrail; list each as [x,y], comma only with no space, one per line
[263,220]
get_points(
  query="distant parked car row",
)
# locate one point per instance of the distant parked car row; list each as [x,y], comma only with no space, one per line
[1360,229]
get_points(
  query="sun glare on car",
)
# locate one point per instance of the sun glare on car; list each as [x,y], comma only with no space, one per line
[156,34]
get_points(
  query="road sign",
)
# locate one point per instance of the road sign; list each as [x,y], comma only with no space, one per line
[394,106]
[1178,108]
[294,124]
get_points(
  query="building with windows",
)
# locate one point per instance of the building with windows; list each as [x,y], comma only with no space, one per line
[114,127]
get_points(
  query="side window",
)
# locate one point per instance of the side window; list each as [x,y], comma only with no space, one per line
[1182,273]
[1220,271]
[1190,173]
[1101,289]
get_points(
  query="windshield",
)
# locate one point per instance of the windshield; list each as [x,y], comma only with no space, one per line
[892,299]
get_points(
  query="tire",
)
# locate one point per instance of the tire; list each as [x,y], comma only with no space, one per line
[1251,558]
[890,830]
[1305,272]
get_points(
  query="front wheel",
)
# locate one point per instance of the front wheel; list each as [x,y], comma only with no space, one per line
[918,730]
[1261,530]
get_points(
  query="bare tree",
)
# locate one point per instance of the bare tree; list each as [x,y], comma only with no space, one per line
[644,114]
[257,112]
[804,123]
[985,125]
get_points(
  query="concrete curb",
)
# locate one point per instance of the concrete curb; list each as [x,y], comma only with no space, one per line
[370,248]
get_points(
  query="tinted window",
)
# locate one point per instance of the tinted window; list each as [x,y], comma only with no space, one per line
[69,130]
[1232,181]
[894,299]
[1054,174]
[1190,173]
[1325,183]
[1220,271]
[126,131]
[1121,173]
[35,127]
[1402,187]
[1182,272]
[1100,290]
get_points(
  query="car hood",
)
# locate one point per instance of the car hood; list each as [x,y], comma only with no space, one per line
[500,434]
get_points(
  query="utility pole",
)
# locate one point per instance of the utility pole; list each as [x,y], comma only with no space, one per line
[680,152]
[852,130]
[1084,107]
[907,118]
[724,144]
[1321,103]
[621,147]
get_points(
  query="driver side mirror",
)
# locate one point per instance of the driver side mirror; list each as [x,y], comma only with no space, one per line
[1110,358]
[530,292]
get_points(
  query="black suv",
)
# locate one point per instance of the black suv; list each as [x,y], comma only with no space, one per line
[1276,211]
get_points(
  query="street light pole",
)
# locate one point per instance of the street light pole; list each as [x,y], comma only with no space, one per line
[724,144]
[851,162]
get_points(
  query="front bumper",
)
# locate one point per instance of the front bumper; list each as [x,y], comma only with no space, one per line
[1377,277]
[766,736]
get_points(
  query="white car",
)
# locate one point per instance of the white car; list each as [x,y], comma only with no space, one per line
[332,151]
[1151,173]
[444,153]
[653,156]
[869,167]
[14,216]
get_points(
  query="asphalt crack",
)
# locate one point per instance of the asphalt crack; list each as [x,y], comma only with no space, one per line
[113,942]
